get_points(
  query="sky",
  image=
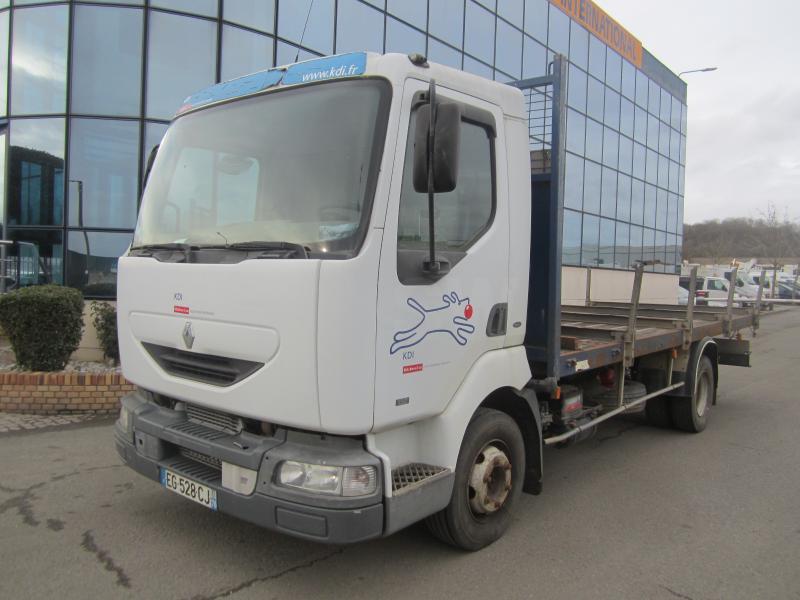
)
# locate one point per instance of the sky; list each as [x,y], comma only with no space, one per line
[743,144]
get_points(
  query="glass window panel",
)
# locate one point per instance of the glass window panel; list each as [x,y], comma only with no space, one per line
[591,187]
[490,4]
[576,132]
[479,32]
[623,197]
[92,261]
[610,148]
[611,117]
[24,2]
[378,3]
[477,68]
[3,140]
[595,97]
[672,213]
[36,172]
[132,2]
[663,172]
[404,39]
[244,52]
[648,244]
[621,252]
[39,61]
[683,120]
[681,180]
[104,157]
[590,240]
[628,80]
[511,10]
[571,240]
[635,245]
[509,49]
[666,106]
[640,125]
[625,154]
[680,216]
[4,63]
[411,11]
[597,58]
[673,177]
[608,202]
[649,205]
[642,84]
[534,60]
[287,53]
[41,256]
[606,246]
[652,132]
[171,78]
[663,139]
[536,19]
[661,246]
[207,8]
[674,145]
[107,61]
[662,209]
[573,182]
[594,140]
[675,116]
[153,133]
[654,99]
[256,14]
[444,54]
[637,201]
[639,160]
[614,70]
[558,34]
[579,45]
[446,21]
[626,117]
[576,89]
[358,27]
[502,77]
[683,150]
[651,175]
[319,31]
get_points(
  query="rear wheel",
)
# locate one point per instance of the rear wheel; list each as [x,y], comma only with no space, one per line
[488,482]
[691,414]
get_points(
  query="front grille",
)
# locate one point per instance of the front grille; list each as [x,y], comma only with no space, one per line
[214,419]
[209,461]
[411,476]
[207,368]
[192,469]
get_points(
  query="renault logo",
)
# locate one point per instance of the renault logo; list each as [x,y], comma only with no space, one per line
[188,335]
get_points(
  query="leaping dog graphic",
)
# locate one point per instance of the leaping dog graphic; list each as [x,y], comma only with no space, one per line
[450,318]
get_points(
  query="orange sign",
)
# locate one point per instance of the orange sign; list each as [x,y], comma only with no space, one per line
[596,20]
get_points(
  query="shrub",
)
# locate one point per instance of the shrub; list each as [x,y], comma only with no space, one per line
[44,325]
[104,317]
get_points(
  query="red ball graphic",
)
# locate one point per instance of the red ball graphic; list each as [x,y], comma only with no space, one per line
[468,311]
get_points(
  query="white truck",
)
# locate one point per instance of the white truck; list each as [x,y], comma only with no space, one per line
[341,305]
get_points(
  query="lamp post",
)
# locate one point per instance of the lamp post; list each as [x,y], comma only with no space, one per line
[705,70]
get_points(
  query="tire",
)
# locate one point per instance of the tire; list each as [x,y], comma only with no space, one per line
[658,412]
[691,414]
[493,436]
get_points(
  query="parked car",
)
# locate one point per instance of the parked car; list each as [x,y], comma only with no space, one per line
[712,291]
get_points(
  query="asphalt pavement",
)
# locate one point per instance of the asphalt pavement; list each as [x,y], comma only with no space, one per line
[635,512]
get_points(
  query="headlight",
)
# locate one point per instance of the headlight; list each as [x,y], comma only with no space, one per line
[125,419]
[323,479]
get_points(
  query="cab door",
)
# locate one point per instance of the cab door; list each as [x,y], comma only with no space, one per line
[432,330]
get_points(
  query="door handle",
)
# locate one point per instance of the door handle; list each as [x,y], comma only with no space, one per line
[497,320]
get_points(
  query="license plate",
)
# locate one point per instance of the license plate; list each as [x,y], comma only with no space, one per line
[202,494]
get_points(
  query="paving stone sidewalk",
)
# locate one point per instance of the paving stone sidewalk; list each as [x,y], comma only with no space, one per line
[16,422]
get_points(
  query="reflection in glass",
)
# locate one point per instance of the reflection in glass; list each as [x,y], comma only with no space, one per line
[533,62]
[509,49]
[358,27]
[623,198]
[591,187]
[637,201]
[641,89]
[319,30]
[579,45]
[635,245]
[3,63]
[595,97]
[594,140]
[107,61]
[621,256]
[444,54]
[479,33]
[576,132]
[37,257]
[590,241]
[2,185]
[411,11]
[171,77]
[649,206]
[651,176]
[608,204]
[571,241]
[536,19]
[628,80]
[92,261]
[39,61]
[207,8]
[402,38]
[610,147]
[639,160]
[103,173]
[36,172]
[576,88]
[286,53]
[256,14]
[662,210]
[153,133]
[614,70]
[511,10]
[573,182]
[597,58]
[606,247]
[640,125]
[625,154]
[626,117]
[558,34]
[611,116]
[244,52]
[477,68]
[654,99]
[446,21]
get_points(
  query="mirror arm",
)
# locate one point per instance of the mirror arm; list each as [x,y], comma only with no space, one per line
[433,267]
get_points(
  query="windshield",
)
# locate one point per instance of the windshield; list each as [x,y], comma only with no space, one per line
[296,166]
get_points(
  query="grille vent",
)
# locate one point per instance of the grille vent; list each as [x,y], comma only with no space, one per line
[209,461]
[195,470]
[411,476]
[214,419]
[207,368]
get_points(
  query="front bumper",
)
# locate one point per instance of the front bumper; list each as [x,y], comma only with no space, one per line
[158,435]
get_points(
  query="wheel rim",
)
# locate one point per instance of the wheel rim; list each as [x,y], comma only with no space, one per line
[489,482]
[701,394]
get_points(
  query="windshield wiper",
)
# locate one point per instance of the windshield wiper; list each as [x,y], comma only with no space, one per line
[180,246]
[270,249]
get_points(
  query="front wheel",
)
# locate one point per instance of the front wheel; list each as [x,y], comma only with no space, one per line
[488,482]
[691,414]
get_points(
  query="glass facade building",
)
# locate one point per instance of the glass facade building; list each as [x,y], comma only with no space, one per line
[88,87]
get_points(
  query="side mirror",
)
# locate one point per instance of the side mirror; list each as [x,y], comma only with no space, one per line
[151,158]
[446,140]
